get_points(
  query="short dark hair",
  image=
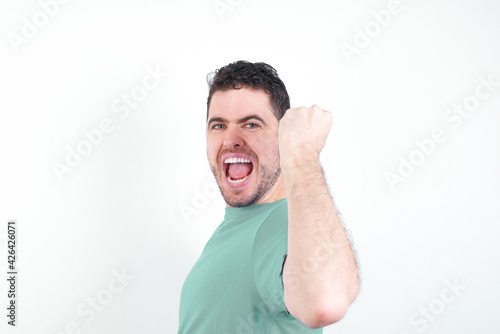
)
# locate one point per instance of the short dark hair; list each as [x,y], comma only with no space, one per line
[251,75]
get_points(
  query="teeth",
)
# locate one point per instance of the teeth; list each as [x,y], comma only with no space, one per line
[230,180]
[236,160]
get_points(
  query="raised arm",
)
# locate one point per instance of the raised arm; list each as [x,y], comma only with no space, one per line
[320,275]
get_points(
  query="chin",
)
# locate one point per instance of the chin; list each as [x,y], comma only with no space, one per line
[239,200]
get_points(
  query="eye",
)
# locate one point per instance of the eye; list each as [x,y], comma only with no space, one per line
[251,125]
[217,126]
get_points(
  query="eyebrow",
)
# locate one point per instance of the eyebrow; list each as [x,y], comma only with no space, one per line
[241,120]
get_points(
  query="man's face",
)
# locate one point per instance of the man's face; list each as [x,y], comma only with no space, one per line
[242,145]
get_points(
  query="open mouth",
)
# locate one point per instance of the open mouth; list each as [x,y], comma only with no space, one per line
[237,169]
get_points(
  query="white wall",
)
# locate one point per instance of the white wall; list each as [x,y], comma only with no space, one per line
[120,207]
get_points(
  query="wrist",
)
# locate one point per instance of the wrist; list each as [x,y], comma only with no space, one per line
[298,161]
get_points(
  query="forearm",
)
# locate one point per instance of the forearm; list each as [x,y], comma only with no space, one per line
[320,265]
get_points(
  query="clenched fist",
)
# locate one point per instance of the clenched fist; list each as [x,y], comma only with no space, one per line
[303,131]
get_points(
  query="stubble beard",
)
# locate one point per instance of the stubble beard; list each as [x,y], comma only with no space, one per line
[268,176]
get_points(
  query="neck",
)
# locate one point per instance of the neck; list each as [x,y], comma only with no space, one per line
[276,193]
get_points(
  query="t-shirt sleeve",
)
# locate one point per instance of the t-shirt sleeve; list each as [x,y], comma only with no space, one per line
[269,254]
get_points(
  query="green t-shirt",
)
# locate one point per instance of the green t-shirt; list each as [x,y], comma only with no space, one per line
[236,285]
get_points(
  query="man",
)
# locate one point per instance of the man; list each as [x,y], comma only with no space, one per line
[280,262]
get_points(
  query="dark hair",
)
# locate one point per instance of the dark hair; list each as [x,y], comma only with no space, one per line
[251,75]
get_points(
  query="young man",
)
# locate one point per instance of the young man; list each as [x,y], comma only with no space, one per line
[280,262]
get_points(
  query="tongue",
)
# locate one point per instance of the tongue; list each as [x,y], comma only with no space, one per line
[239,171]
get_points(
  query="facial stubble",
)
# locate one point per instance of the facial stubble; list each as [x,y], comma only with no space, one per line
[268,176]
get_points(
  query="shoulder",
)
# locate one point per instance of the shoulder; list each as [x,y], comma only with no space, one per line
[273,232]
[277,220]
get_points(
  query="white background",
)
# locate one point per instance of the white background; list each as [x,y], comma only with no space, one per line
[120,208]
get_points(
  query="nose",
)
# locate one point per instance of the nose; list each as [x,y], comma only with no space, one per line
[233,138]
